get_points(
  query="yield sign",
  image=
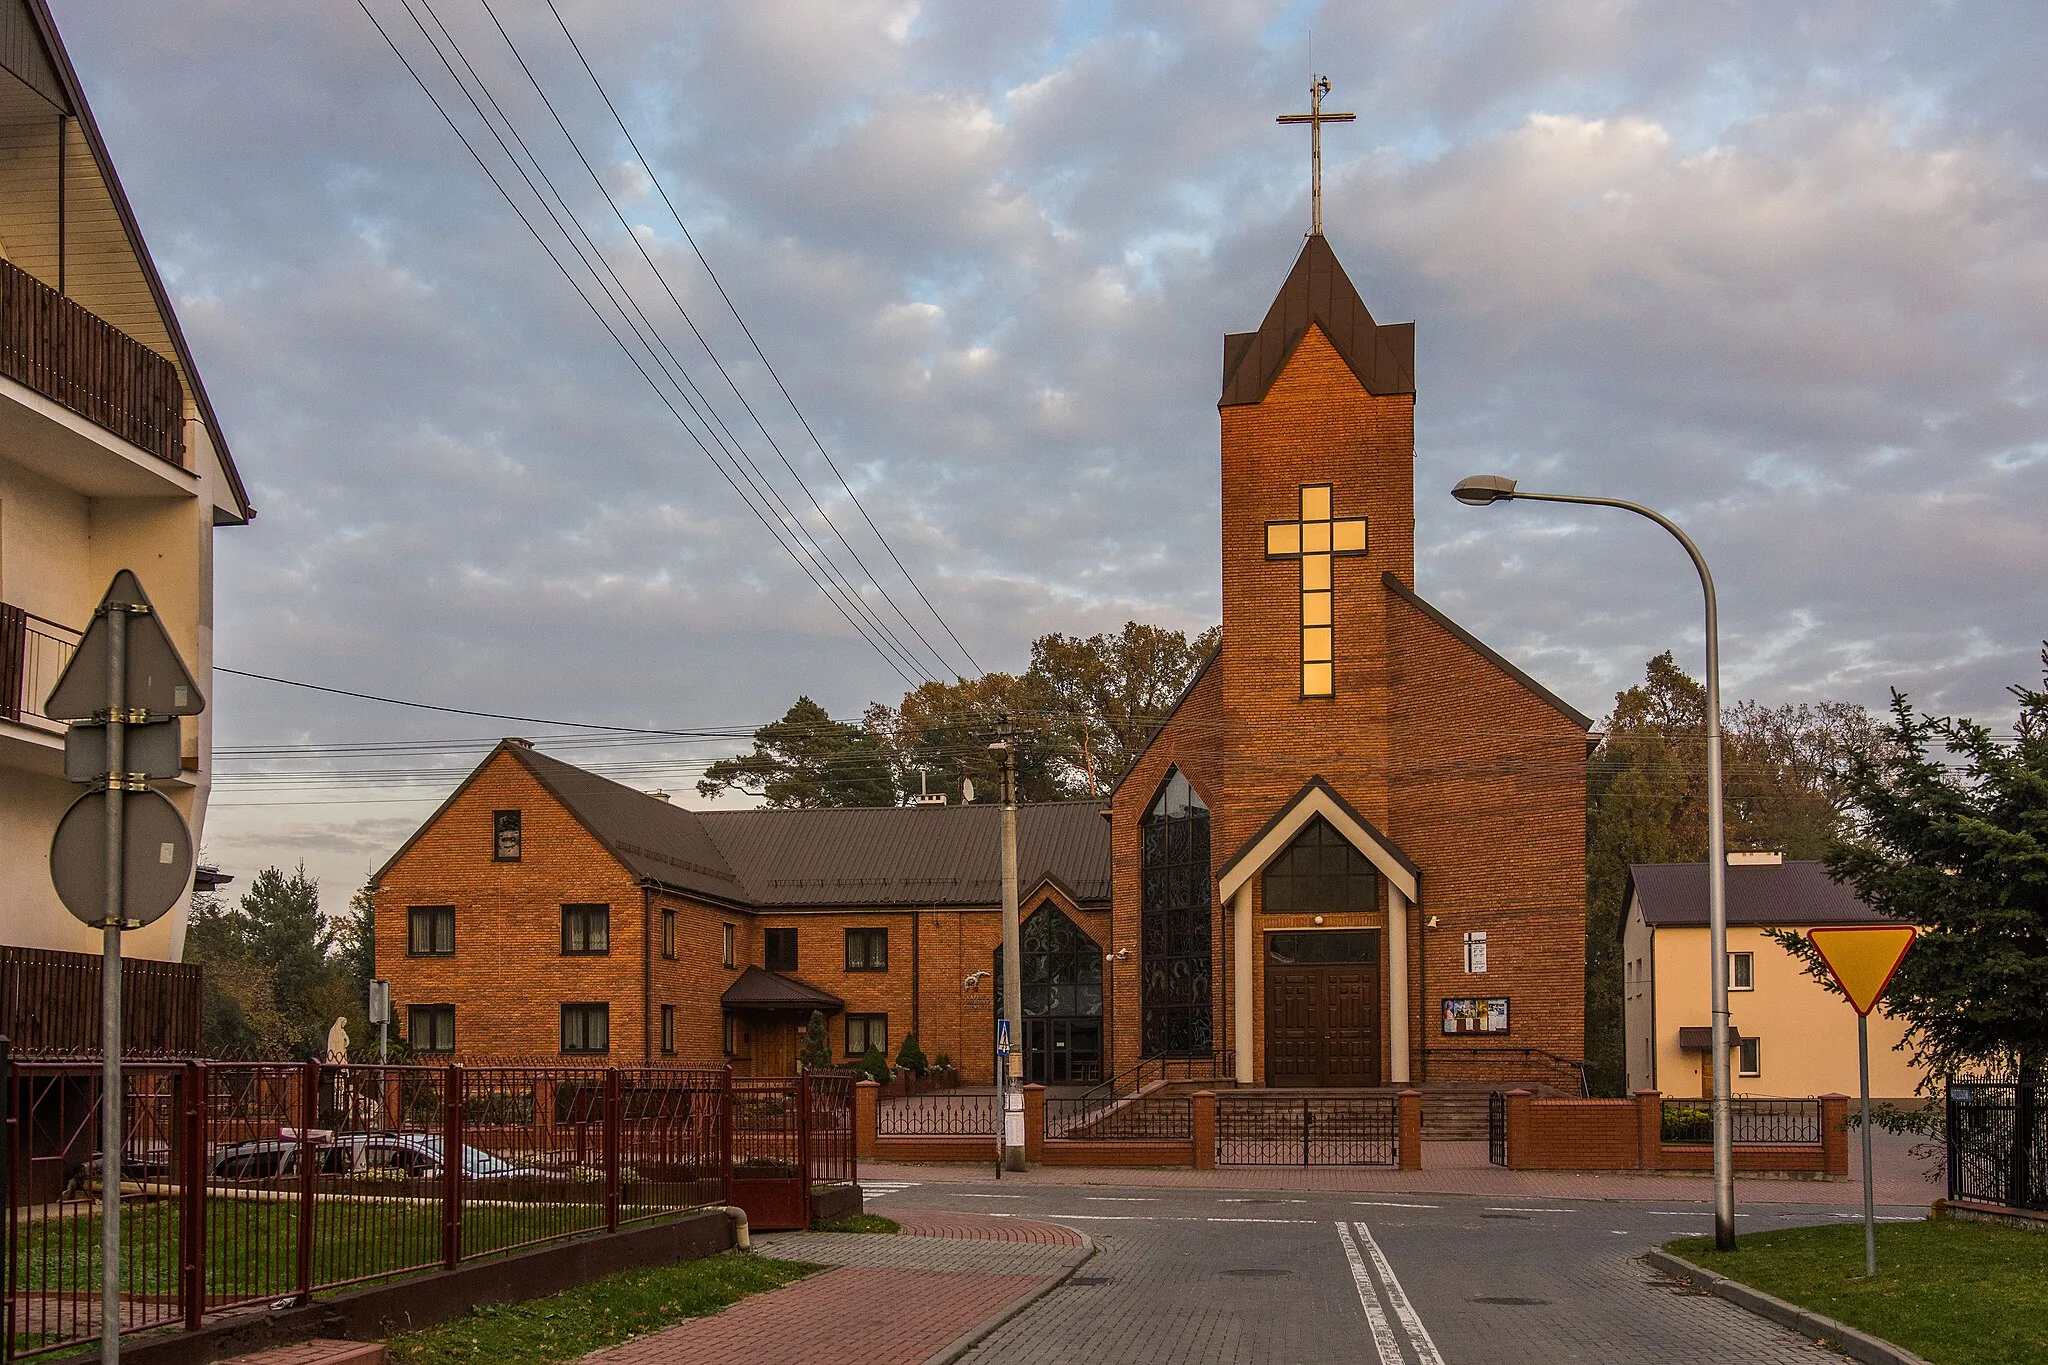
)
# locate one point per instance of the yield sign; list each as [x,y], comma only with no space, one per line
[1862,958]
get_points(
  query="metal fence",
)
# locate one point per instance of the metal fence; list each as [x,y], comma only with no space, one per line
[946,1114]
[1497,1128]
[252,1183]
[1690,1123]
[1148,1118]
[1307,1130]
[1998,1144]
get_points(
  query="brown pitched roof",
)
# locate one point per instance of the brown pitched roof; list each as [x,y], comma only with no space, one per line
[906,855]
[876,856]
[1317,290]
[1788,893]
[759,989]
[655,840]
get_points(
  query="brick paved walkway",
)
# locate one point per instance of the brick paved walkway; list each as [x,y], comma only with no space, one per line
[886,1301]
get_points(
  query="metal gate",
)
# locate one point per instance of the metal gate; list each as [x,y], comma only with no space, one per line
[1497,1128]
[1306,1130]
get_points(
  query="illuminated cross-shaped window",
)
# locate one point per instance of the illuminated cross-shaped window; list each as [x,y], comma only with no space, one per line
[1315,540]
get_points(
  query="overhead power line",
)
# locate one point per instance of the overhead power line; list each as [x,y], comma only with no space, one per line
[688,236]
[730,475]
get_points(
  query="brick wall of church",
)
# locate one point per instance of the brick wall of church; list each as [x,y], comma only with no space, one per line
[1489,796]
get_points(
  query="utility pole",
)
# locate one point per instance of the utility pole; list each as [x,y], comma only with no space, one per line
[1013,960]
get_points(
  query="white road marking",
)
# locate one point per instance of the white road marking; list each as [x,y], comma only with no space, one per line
[1418,1335]
[1262,1201]
[1118,1198]
[1389,1204]
[988,1196]
[1303,1221]
[1523,1208]
[1383,1339]
[1693,1213]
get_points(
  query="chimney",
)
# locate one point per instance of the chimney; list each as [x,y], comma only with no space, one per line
[522,743]
[659,795]
[1756,857]
[930,799]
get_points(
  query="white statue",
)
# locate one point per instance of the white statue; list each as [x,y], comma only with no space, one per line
[337,1043]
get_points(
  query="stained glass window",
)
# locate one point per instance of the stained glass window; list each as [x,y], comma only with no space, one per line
[1174,969]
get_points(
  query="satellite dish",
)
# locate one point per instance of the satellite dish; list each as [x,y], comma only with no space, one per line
[966,791]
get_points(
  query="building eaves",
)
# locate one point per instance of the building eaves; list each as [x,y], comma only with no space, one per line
[1318,292]
[1535,689]
[74,93]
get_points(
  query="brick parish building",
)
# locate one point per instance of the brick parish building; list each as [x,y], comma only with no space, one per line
[1353,855]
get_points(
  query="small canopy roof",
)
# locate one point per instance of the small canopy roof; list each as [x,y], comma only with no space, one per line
[1701,1039]
[760,989]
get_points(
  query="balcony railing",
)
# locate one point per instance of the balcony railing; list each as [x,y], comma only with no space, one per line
[72,357]
[33,652]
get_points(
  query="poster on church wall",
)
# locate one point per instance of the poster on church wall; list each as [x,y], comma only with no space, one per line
[1476,1014]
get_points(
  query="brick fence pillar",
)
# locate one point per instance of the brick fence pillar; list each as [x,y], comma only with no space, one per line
[866,1119]
[1521,1134]
[1834,1136]
[1204,1106]
[1649,1130]
[1034,1124]
[1410,1104]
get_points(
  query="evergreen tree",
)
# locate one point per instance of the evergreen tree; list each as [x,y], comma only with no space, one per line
[807,760]
[910,1056]
[813,1052]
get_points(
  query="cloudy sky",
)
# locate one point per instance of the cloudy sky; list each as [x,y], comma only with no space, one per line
[1775,268]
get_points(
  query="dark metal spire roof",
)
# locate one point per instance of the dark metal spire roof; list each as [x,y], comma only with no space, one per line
[1317,290]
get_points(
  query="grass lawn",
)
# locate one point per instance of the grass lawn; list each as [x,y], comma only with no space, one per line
[1957,1293]
[602,1313]
[864,1222]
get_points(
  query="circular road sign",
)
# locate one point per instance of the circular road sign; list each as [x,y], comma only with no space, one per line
[156,858]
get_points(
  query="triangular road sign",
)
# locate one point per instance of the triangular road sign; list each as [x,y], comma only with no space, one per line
[1862,958]
[158,681]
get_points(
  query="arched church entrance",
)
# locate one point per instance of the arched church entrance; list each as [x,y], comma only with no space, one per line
[1062,988]
[1322,985]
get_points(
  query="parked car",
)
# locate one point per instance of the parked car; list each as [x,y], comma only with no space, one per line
[414,1155]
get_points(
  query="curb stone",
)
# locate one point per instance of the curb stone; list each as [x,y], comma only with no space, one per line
[974,1336]
[1811,1325]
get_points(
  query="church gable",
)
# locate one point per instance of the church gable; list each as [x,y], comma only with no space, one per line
[1318,292]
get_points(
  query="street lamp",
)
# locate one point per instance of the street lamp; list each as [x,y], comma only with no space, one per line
[1482,490]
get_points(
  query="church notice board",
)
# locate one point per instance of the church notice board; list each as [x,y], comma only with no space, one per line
[1476,1014]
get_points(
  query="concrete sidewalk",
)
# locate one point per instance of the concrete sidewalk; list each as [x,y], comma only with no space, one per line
[927,1293]
[1462,1168]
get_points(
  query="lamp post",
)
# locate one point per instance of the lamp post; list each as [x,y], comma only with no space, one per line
[1482,490]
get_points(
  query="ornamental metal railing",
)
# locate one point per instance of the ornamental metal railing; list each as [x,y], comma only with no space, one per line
[1756,1122]
[948,1113]
[1148,1118]
[1306,1130]
[1998,1144]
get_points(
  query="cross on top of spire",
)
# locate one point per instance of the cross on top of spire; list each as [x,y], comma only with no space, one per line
[1315,118]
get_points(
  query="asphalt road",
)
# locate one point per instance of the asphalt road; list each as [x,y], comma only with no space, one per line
[1266,1276]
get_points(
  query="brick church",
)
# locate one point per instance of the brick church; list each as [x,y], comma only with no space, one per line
[1353,855]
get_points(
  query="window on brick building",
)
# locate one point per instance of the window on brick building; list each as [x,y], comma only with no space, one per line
[867,950]
[430,1028]
[727,955]
[586,930]
[1175,899]
[586,1028]
[778,950]
[507,841]
[1320,873]
[1741,971]
[668,934]
[430,930]
[729,1035]
[668,1029]
[867,1030]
